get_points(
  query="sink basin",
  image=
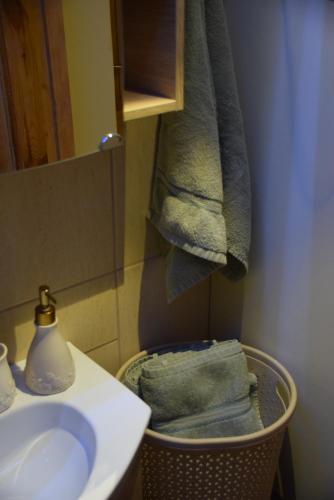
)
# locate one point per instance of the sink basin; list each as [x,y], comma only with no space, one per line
[47,449]
[77,444]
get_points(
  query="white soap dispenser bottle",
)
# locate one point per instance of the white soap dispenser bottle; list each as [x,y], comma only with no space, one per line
[50,367]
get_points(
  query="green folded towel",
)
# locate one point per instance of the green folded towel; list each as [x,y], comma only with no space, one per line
[198,393]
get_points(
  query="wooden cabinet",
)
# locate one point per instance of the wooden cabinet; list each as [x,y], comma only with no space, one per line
[56,80]
[74,70]
[152,36]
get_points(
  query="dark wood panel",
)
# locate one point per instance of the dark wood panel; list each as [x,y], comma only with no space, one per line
[7,160]
[150,34]
[27,82]
[118,57]
[56,47]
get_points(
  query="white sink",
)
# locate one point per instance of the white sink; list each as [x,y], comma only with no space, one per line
[77,444]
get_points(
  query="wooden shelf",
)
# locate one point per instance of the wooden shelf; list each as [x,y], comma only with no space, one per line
[137,105]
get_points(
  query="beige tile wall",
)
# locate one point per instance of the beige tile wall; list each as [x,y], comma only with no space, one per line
[81,227]
[55,227]
[226,307]
[145,318]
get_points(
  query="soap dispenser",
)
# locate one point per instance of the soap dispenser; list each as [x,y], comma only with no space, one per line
[50,367]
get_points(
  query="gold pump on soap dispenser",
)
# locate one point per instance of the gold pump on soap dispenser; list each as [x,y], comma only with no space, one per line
[49,367]
[45,313]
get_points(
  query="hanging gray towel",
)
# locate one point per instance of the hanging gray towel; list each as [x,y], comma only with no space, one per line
[201,192]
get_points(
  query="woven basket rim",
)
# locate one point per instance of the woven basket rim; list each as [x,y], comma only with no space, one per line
[228,442]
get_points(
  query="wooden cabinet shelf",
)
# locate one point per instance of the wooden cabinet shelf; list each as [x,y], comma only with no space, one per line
[137,105]
[152,56]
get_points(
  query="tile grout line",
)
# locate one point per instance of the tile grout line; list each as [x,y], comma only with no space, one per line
[113,207]
[59,290]
[80,283]
[118,326]
[101,345]
[114,232]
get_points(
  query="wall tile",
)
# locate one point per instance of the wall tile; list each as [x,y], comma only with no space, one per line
[145,318]
[86,313]
[226,307]
[55,226]
[106,356]
[136,238]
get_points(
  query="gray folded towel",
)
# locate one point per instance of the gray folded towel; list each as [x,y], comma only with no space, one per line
[198,393]
[235,419]
[199,149]
[134,371]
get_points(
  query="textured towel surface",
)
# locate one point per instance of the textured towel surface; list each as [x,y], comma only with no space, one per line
[234,419]
[198,392]
[181,384]
[134,371]
[201,194]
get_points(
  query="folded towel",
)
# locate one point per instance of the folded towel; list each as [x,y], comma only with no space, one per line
[231,419]
[196,392]
[198,149]
[134,371]
[234,419]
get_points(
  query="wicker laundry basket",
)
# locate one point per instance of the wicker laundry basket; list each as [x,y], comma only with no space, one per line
[236,468]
